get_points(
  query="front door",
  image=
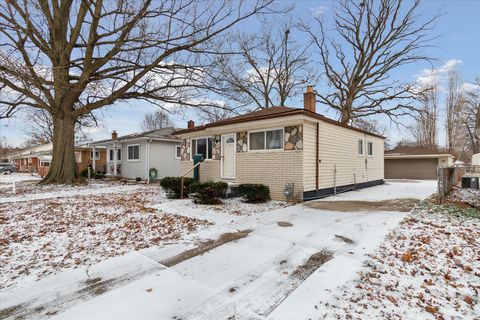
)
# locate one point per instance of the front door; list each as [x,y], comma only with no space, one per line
[228,156]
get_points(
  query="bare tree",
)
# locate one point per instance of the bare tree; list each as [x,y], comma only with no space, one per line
[156,120]
[73,57]
[39,127]
[471,118]
[425,129]
[453,110]
[372,39]
[267,68]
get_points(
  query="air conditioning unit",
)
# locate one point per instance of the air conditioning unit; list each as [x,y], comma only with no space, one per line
[470,182]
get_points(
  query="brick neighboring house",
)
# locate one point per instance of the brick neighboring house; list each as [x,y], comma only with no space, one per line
[416,163]
[282,145]
[37,159]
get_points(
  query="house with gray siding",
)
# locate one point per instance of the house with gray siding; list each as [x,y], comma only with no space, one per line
[133,156]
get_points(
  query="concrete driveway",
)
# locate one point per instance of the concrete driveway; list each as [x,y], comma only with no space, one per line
[273,265]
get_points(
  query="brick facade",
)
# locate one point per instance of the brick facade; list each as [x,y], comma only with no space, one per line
[274,169]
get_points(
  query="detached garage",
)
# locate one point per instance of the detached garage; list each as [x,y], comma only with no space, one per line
[415,163]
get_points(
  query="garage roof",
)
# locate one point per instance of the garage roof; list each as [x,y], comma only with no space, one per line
[407,152]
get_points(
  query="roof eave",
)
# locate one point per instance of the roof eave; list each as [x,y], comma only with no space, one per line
[277,115]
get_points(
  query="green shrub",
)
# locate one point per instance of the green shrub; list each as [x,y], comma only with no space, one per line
[209,192]
[172,186]
[93,174]
[254,193]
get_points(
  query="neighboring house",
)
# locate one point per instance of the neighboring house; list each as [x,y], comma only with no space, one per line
[281,146]
[5,154]
[38,159]
[476,159]
[132,156]
[415,163]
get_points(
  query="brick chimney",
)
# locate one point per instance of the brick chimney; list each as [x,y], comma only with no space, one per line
[191,124]
[309,101]
[114,135]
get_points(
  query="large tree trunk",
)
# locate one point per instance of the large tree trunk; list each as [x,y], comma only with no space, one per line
[345,116]
[63,167]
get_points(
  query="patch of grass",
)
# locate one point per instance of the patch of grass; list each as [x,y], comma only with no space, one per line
[448,209]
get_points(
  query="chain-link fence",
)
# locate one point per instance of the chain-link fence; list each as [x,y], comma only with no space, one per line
[449,177]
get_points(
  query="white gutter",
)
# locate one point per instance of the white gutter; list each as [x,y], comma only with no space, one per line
[417,156]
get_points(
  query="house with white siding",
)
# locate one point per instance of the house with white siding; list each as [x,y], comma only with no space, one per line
[134,156]
[298,153]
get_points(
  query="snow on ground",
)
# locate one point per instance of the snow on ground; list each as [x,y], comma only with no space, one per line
[428,268]
[228,211]
[391,189]
[73,227]
[280,270]
[31,192]
[18,177]
[469,196]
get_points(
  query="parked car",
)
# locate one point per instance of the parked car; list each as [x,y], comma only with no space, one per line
[7,168]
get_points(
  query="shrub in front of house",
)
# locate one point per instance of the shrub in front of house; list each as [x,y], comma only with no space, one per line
[172,186]
[254,193]
[93,174]
[209,192]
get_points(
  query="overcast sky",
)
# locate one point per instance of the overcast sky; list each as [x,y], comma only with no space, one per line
[457,47]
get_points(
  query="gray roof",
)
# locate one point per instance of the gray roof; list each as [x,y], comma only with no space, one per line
[160,134]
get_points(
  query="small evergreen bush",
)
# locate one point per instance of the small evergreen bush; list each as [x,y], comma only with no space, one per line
[254,193]
[172,186]
[209,192]
[93,174]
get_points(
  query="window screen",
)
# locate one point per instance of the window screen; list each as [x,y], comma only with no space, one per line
[274,139]
[360,147]
[257,140]
[133,152]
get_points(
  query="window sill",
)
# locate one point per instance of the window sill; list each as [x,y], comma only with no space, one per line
[266,151]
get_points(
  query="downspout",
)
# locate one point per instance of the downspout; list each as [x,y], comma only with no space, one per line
[94,167]
[147,151]
[317,159]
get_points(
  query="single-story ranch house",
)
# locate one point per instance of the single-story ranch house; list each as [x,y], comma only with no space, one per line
[286,149]
[134,155]
[37,159]
[415,163]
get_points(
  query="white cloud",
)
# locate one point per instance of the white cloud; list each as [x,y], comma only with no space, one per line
[428,76]
[319,11]
[470,87]
[449,65]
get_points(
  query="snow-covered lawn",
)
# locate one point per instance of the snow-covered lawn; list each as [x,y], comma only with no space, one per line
[240,261]
[18,177]
[428,268]
[468,196]
[72,227]
[287,259]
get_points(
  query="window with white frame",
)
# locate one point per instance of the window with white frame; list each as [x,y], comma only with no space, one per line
[370,148]
[178,152]
[133,152]
[266,140]
[360,147]
[97,155]
[111,154]
[202,146]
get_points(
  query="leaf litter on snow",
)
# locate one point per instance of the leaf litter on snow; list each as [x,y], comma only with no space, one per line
[427,268]
[42,237]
